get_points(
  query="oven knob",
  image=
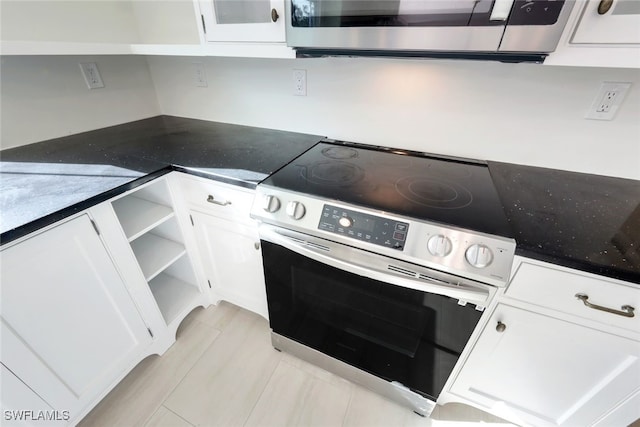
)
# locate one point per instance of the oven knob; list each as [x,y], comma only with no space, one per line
[295,210]
[439,245]
[270,203]
[345,221]
[479,256]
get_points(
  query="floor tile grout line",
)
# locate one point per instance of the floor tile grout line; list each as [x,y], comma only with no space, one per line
[220,331]
[164,400]
[253,408]
[177,415]
[344,418]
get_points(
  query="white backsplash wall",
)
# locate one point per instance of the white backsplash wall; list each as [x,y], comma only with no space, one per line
[44,97]
[519,113]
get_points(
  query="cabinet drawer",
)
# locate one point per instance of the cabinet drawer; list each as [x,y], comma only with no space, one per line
[217,198]
[556,288]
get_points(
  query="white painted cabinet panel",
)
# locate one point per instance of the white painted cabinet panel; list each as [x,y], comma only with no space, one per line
[541,370]
[556,288]
[243,20]
[618,23]
[607,39]
[232,261]
[69,325]
[21,406]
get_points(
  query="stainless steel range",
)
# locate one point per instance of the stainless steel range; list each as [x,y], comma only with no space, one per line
[378,263]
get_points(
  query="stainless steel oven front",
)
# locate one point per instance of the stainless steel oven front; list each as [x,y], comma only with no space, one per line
[394,327]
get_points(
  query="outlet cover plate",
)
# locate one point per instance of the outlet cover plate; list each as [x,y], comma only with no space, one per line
[300,82]
[607,100]
[91,75]
[200,75]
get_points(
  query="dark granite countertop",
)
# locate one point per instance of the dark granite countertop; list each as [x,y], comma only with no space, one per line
[582,221]
[44,182]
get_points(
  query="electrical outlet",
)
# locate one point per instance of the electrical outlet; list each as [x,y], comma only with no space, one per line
[607,101]
[201,76]
[300,82]
[91,75]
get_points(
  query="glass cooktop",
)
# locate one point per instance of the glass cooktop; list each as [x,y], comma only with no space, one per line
[446,191]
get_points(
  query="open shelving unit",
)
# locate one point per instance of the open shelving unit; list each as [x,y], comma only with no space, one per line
[150,225]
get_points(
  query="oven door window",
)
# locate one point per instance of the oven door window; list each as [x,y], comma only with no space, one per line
[392,332]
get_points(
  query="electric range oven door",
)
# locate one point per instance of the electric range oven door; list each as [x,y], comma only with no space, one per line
[366,311]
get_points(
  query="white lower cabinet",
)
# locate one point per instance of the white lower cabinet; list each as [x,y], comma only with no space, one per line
[163,267]
[69,325]
[547,371]
[544,358]
[226,239]
[232,261]
[21,406]
[85,300]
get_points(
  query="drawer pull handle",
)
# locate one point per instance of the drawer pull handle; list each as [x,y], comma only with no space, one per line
[211,199]
[625,310]
[501,327]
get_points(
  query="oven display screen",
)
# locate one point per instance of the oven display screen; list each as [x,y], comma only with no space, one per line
[360,226]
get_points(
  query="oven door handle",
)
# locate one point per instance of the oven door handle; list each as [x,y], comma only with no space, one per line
[377,267]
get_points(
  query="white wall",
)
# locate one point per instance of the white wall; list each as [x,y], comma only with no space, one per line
[520,113]
[44,97]
[54,20]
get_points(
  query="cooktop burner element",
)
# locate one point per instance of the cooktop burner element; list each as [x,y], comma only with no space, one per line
[434,192]
[339,152]
[332,173]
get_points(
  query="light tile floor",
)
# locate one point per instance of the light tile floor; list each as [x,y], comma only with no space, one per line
[223,371]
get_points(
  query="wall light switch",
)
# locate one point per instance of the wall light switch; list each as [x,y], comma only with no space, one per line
[607,101]
[91,75]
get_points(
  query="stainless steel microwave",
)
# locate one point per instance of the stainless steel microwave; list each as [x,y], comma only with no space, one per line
[417,27]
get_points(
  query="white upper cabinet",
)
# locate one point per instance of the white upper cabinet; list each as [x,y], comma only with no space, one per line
[243,20]
[245,28]
[59,27]
[601,33]
[609,22]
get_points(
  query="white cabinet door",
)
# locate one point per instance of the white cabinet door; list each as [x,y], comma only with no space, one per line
[243,20]
[21,406]
[539,370]
[232,261]
[609,22]
[69,326]
[590,39]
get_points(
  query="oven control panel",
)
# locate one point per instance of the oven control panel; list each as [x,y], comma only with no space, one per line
[365,227]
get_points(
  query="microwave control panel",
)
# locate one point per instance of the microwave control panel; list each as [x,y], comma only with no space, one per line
[361,226]
[537,12]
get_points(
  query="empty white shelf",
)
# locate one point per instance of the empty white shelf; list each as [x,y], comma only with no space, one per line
[172,295]
[138,216]
[155,253]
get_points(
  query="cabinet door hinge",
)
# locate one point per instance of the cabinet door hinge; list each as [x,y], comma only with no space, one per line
[204,26]
[209,282]
[150,333]
[95,226]
[191,218]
